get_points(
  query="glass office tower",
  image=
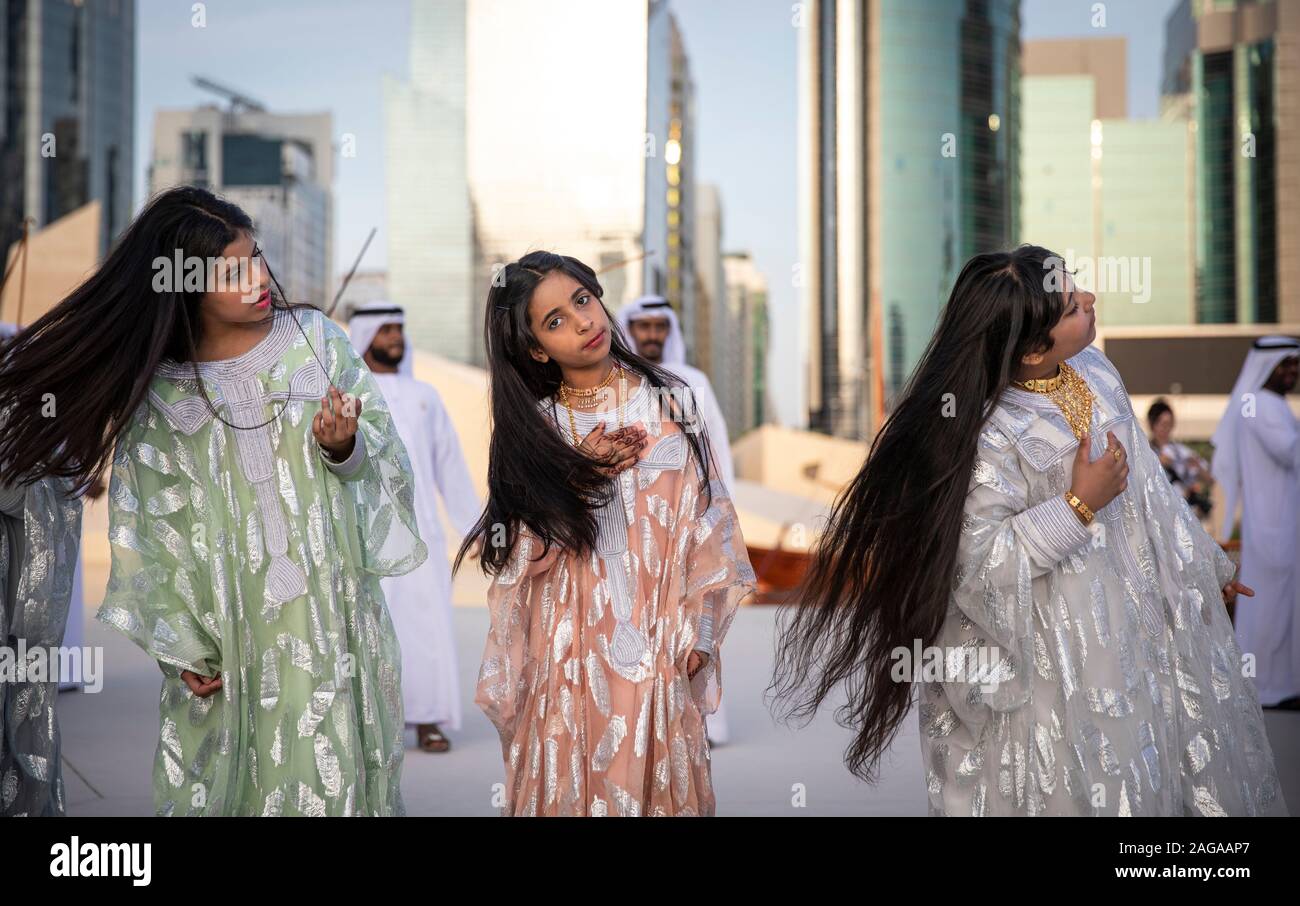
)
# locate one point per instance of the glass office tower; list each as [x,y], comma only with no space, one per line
[909,163]
[67,125]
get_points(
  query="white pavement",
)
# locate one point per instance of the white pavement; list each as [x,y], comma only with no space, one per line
[109,740]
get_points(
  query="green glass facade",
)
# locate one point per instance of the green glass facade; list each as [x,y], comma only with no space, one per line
[1216,146]
[949,173]
[1236,193]
[1057,163]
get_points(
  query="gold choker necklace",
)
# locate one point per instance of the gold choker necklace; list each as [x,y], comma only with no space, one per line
[582,394]
[1071,394]
[570,406]
[590,398]
[1043,385]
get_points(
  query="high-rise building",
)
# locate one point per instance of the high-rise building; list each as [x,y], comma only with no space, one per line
[431,265]
[67,127]
[571,152]
[278,167]
[499,145]
[909,163]
[743,396]
[709,350]
[1113,196]
[678,161]
[1235,65]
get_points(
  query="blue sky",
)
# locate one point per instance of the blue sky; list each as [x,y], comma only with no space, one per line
[331,55]
[1141,22]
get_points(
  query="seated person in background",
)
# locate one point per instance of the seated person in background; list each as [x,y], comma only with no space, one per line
[1188,473]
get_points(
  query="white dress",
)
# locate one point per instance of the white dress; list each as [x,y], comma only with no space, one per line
[419,602]
[1118,683]
[1269,446]
[710,413]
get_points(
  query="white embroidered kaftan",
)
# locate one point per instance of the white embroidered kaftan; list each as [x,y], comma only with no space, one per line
[1120,687]
[420,601]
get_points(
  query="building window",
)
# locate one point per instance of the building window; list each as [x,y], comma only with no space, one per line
[194,151]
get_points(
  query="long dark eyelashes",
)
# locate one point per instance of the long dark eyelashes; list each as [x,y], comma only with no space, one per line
[581,299]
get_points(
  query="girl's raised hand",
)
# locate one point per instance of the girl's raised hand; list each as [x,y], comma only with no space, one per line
[335,423]
[618,450]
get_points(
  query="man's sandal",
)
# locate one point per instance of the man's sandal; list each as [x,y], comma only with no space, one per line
[432,739]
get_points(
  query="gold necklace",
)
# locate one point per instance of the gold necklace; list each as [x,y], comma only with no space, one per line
[622,400]
[586,399]
[1043,385]
[1071,394]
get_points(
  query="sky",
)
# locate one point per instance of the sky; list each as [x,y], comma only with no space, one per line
[1140,22]
[331,55]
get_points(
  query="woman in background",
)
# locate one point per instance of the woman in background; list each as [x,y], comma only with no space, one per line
[1188,473]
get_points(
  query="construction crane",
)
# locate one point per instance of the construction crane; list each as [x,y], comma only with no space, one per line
[238,102]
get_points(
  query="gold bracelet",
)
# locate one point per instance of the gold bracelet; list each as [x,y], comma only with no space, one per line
[1079,507]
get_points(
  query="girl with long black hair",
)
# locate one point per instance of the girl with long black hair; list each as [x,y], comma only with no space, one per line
[1012,550]
[258,492]
[616,558]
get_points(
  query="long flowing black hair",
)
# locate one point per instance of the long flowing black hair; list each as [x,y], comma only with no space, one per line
[95,353]
[882,572]
[536,477]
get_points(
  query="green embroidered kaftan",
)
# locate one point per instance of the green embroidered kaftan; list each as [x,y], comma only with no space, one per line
[246,552]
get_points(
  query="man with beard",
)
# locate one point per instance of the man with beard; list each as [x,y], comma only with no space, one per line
[420,601]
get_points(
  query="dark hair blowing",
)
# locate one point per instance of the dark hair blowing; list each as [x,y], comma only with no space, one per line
[883,569]
[97,350]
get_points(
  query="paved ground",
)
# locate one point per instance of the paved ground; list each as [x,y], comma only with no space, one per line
[109,740]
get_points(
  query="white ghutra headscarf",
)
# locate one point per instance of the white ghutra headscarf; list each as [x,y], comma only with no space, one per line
[1263,357]
[365,323]
[655,307]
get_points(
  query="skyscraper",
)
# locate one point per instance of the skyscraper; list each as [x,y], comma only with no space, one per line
[678,162]
[500,144]
[569,151]
[67,128]
[1237,63]
[1110,194]
[744,393]
[431,254]
[709,350]
[909,163]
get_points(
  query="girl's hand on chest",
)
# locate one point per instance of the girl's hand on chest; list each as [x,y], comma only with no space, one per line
[617,450]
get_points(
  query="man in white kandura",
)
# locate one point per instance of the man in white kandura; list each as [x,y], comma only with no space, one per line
[1257,461]
[652,326]
[420,601]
